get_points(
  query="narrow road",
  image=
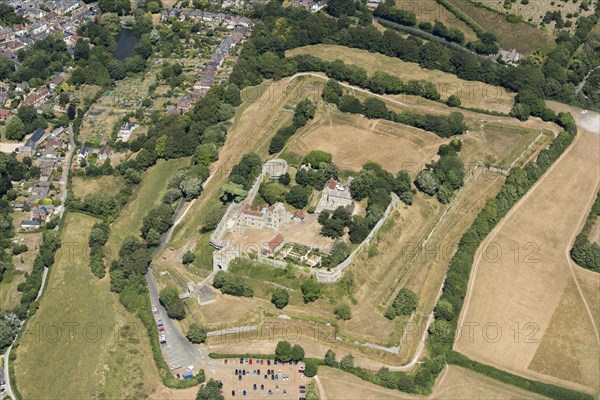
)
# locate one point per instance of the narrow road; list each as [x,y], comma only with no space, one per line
[8,388]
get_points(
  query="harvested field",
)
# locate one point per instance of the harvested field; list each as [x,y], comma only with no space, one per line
[578,360]
[353,140]
[81,329]
[522,274]
[83,186]
[454,383]
[472,94]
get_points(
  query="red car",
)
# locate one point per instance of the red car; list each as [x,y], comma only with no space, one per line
[161,329]
[250,361]
[261,362]
[301,387]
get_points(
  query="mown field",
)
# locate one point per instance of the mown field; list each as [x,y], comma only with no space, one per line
[522,280]
[82,343]
[83,186]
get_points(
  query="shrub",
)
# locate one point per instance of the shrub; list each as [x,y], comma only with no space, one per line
[343,312]
[188,257]
[196,334]
[280,298]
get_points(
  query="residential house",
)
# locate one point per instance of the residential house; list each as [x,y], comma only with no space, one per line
[126,131]
[84,151]
[30,225]
[106,153]
[32,143]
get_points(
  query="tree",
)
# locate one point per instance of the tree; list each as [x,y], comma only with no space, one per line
[310,369]
[427,182]
[169,297]
[280,298]
[359,229]
[311,290]
[15,130]
[188,257]
[297,353]
[350,104]
[329,359]
[210,391]
[285,179]
[271,192]
[347,362]
[71,112]
[332,91]
[338,8]
[297,197]
[283,351]
[405,302]
[453,101]
[343,312]
[196,334]
[375,108]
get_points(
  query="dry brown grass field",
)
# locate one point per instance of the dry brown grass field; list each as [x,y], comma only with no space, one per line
[454,383]
[523,275]
[472,94]
[353,140]
[83,186]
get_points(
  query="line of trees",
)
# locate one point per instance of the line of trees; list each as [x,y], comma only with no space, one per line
[374,108]
[584,252]
[305,111]
[96,240]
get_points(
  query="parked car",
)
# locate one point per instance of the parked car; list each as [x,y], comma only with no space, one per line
[254,387]
[261,362]
[302,391]
[241,360]
[233,393]
[301,387]
[239,377]
[250,361]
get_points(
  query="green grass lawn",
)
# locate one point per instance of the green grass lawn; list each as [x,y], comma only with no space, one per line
[82,343]
[146,196]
